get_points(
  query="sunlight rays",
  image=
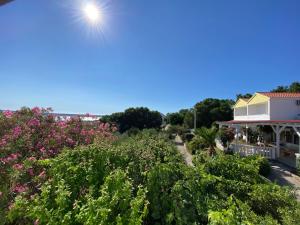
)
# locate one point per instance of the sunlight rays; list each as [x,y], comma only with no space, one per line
[91,15]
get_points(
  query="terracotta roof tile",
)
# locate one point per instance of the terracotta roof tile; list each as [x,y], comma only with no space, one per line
[280,94]
[260,121]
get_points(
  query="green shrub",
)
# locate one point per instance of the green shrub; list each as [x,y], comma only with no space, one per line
[133,131]
[271,199]
[116,202]
[195,145]
[142,180]
[88,178]
[238,213]
[233,167]
[176,129]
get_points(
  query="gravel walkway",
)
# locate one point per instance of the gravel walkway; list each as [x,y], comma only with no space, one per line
[188,158]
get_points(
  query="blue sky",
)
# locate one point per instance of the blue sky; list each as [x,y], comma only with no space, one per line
[163,54]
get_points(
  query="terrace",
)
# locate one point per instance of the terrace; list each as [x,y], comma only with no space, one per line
[275,119]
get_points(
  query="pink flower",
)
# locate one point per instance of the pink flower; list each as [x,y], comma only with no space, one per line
[87,140]
[9,158]
[42,150]
[42,174]
[15,155]
[70,141]
[36,110]
[31,158]
[62,124]
[1,194]
[36,222]
[30,171]
[3,142]
[17,131]
[18,166]
[8,113]
[34,122]
[83,132]
[19,188]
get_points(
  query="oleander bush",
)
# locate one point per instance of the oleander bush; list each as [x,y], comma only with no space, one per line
[103,183]
[29,135]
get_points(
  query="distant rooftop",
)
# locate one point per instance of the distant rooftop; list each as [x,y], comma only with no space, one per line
[280,94]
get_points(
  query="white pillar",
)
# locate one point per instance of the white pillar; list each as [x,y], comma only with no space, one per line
[297,159]
[278,129]
[246,134]
[277,141]
[236,138]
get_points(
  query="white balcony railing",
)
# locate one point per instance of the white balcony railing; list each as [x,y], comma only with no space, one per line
[252,112]
[247,150]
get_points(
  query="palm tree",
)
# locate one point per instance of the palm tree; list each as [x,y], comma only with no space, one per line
[207,138]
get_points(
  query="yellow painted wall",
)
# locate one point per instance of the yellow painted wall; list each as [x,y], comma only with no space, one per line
[240,103]
[258,98]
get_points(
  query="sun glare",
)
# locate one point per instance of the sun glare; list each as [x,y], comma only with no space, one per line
[92,13]
[93,16]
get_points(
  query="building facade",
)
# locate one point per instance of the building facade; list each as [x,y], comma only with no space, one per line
[278,111]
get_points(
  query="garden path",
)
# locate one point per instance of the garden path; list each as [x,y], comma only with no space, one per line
[283,176]
[188,158]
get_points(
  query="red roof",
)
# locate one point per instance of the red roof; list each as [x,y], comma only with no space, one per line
[260,121]
[280,94]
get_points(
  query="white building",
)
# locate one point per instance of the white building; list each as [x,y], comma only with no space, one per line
[268,106]
[281,112]
[84,117]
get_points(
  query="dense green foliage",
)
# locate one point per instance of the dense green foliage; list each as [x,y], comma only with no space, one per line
[210,110]
[207,137]
[97,184]
[247,96]
[207,111]
[140,118]
[293,87]
[204,140]
[28,135]
[176,118]
[142,179]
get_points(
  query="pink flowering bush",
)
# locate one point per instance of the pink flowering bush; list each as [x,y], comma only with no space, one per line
[28,135]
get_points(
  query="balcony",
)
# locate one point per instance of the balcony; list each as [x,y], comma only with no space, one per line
[252,112]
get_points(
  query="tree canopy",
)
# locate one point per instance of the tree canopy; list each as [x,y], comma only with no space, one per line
[208,111]
[140,117]
[293,87]
[177,118]
[248,95]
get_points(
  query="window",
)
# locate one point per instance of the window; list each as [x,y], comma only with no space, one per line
[258,109]
[240,111]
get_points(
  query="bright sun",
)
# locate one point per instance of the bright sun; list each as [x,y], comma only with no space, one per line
[92,13]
